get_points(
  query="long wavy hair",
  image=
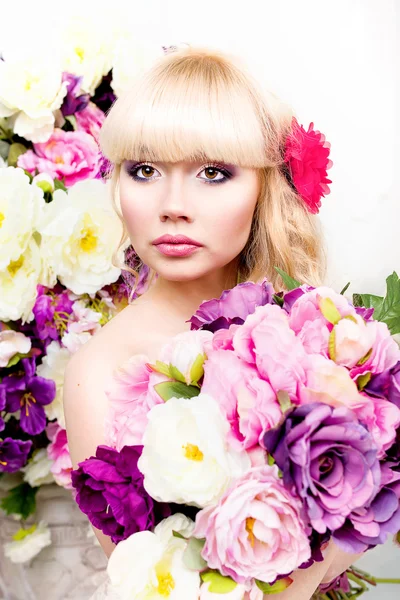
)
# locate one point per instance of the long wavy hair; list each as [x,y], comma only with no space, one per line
[198,104]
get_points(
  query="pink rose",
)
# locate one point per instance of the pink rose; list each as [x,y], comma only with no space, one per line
[70,154]
[58,451]
[266,339]
[381,417]
[248,402]
[90,119]
[327,382]
[308,322]
[131,395]
[256,530]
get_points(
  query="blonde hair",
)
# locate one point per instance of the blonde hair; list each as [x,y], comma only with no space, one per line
[198,104]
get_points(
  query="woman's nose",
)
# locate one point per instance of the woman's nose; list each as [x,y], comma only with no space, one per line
[176,204]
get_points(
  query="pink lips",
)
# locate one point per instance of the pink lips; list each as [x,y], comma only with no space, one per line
[176,245]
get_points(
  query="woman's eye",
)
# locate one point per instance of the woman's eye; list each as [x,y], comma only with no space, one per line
[212,175]
[147,172]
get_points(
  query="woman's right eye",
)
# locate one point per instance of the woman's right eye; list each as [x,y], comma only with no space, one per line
[146,169]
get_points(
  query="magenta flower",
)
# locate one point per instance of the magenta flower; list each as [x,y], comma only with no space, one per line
[73,101]
[233,306]
[110,492]
[2,405]
[58,452]
[29,393]
[13,454]
[329,459]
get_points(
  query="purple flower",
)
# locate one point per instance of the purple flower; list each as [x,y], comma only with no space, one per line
[73,102]
[386,385]
[2,405]
[290,297]
[28,392]
[110,492]
[366,527]
[329,459]
[232,307]
[52,310]
[13,454]
[340,583]
[132,260]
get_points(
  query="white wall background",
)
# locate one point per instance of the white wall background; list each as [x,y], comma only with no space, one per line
[337,63]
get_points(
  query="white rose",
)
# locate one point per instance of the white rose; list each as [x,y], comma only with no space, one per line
[28,543]
[186,457]
[53,367]
[80,231]
[185,352]
[18,285]
[12,342]
[87,43]
[148,566]
[353,339]
[21,206]
[37,471]
[31,88]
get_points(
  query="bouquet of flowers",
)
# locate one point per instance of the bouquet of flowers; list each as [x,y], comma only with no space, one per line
[269,428]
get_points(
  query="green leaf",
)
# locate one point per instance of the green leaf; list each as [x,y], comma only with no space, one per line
[289,282]
[346,287]
[197,371]
[276,588]
[21,534]
[218,583]
[59,185]
[284,400]
[329,310]
[161,367]
[387,309]
[20,500]
[178,535]
[363,380]
[175,389]
[15,151]
[176,374]
[280,301]
[192,558]
[332,345]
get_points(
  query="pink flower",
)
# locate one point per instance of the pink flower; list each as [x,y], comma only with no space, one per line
[239,593]
[12,342]
[256,530]
[73,155]
[327,382]
[58,451]
[131,395]
[248,402]
[266,339]
[382,419]
[385,351]
[90,119]
[353,339]
[306,154]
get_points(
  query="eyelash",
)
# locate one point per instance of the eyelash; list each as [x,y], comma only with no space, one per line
[132,172]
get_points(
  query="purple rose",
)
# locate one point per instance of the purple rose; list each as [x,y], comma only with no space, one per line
[386,385]
[232,307]
[366,527]
[110,492]
[329,459]
[13,454]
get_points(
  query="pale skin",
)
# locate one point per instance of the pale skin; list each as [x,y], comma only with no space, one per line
[172,198]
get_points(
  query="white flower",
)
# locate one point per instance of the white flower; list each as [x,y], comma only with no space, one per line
[53,367]
[31,88]
[18,285]
[21,205]
[186,457]
[185,352]
[37,471]
[80,231]
[149,566]
[28,543]
[12,342]
[73,341]
[87,42]
[132,57]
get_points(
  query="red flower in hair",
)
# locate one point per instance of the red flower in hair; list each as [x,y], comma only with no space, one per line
[306,155]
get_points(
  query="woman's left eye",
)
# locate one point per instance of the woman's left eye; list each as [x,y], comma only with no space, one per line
[212,173]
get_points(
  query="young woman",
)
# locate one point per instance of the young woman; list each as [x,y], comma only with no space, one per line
[200,183]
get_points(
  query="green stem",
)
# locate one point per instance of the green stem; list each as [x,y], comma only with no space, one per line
[384,580]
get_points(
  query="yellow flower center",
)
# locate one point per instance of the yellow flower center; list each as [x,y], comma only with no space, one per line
[249,528]
[27,399]
[2,217]
[80,53]
[193,452]
[166,584]
[88,239]
[59,160]
[15,265]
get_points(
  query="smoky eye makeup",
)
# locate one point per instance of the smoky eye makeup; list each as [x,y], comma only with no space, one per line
[211,168]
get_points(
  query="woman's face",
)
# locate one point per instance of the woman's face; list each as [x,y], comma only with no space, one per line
[211,204]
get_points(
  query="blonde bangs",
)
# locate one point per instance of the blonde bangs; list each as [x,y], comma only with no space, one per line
[191,106]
